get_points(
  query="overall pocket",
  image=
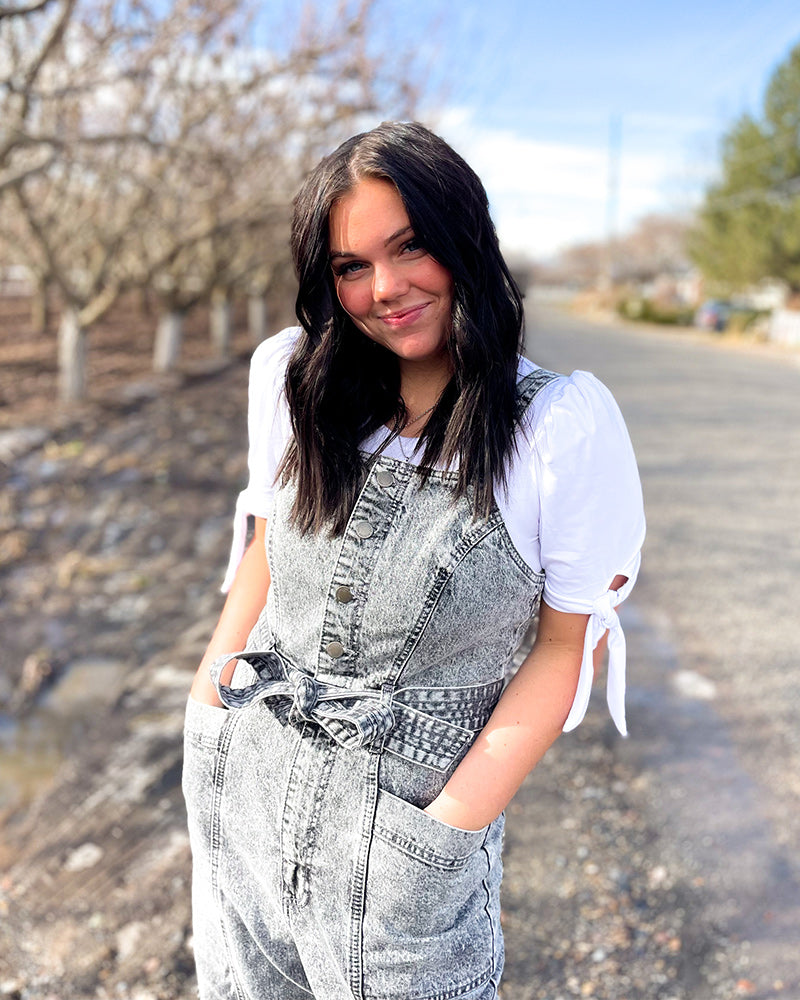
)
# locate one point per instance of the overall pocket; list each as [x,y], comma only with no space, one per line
[431,916]
[202,728]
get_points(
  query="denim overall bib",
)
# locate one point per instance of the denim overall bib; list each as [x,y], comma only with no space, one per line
[378,658]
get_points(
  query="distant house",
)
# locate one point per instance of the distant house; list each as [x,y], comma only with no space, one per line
[784,327]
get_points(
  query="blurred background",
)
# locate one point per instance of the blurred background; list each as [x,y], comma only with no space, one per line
[643,169]
[150,152]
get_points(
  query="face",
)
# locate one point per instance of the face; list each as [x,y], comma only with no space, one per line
[388,284]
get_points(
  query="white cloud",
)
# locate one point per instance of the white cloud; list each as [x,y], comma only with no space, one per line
[546,195]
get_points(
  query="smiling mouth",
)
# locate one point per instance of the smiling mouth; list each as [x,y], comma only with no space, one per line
[403,317]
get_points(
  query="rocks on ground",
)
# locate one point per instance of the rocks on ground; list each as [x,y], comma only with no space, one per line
[115,526]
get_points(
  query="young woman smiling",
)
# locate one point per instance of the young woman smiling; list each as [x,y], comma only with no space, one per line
[419,491]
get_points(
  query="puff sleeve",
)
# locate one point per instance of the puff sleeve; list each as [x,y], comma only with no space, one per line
[591,522]
[268,429]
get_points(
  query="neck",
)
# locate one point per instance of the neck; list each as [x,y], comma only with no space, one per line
[422,383]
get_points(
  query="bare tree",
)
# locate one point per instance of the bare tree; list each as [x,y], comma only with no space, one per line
[656,246]
[17,250]
[30,34]
[172,147]
[259,137]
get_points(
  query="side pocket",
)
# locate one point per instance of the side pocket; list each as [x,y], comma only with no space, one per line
[416,833]
[429,927]
[202,728]
[202,735]
[202,723]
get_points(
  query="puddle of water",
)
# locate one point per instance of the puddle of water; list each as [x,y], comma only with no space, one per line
[33,747]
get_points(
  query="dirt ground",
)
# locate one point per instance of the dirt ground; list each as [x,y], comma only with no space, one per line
[114,531]
[114,527]
[119,357]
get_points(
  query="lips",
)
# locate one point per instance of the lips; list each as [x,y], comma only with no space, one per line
[404,317]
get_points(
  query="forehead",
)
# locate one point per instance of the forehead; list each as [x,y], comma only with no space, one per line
[368,214]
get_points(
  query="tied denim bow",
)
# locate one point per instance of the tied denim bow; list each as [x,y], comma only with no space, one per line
[354,719]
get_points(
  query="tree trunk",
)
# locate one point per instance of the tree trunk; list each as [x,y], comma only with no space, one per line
[257,319]
[220,324]
[167,348]
[40,312]
[71,357]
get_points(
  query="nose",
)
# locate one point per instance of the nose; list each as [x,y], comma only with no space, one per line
[388,282]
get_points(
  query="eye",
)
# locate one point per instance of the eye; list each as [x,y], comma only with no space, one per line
[413,246]
[348,269]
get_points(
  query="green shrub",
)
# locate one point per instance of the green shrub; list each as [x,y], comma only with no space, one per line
[647,311]
[743,320]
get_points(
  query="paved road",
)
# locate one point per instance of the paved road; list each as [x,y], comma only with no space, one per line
[711,772]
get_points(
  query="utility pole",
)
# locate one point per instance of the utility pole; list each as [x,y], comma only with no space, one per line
[612,197]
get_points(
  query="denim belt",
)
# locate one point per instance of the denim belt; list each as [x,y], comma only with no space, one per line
[399,722]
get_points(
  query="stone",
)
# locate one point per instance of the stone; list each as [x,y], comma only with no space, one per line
[83,857]
[693,685]
[20,441]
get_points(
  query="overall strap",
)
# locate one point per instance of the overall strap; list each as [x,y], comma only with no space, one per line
[531,385]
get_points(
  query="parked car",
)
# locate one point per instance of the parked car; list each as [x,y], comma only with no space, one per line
[713,315]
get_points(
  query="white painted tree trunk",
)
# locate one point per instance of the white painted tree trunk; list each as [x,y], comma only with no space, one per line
[220,324]
[71,357]
[167,348]
[40,312]
[257,319]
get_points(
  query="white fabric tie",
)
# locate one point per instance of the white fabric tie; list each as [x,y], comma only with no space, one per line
[603,618]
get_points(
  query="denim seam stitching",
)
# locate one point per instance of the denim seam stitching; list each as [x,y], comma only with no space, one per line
[443,576]
[481,979]
[270,547]
[389,506]
[218,778]
[358,892]
[423,854]
[288,797]
[328,750]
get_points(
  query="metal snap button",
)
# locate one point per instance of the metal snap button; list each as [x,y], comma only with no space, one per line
[344,595]
[334,649]
[363,529]
[384,478]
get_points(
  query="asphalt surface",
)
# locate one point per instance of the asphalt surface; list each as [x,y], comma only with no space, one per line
[670,862]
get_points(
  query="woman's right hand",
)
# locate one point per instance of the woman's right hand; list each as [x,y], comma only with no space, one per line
[202,689]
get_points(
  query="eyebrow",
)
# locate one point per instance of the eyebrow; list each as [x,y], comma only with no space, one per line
[386,242]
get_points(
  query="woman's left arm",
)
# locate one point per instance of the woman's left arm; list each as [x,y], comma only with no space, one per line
[525,722]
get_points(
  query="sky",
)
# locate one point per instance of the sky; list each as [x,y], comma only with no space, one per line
[546,100]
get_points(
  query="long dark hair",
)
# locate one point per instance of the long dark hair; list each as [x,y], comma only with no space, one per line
[341,386]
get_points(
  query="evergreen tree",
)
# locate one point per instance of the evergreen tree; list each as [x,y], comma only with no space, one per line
[749,226]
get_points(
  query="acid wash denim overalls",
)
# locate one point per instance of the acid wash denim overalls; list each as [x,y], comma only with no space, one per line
[378,658]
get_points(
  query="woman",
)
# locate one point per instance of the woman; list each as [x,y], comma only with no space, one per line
[416,487]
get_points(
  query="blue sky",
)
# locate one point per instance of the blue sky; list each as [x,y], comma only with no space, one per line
[529,92]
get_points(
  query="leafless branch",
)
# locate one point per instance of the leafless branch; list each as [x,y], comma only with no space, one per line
[160,149]
[13,178]
[23,10]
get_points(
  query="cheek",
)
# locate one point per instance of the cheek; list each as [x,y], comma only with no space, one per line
[354,300]
[439,280]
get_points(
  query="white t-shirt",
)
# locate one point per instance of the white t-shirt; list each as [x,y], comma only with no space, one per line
[573,507]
